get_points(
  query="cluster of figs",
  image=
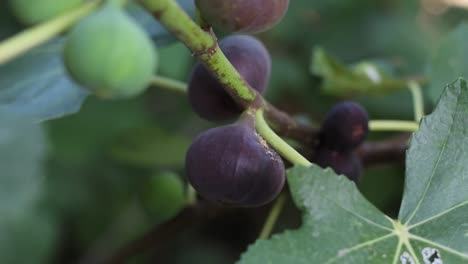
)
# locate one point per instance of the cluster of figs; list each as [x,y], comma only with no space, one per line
[232,164]
[109,54]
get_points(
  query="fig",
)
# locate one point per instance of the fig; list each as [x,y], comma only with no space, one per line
[248,16]
[233,165]
[109,54]
[208,97]
[345,127]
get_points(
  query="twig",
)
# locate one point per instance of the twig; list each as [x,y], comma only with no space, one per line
[273,217]
[203,43]
[37,35]
[386,151]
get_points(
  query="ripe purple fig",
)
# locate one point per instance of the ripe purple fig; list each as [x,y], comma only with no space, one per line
[249,16]
[233,165]
[207,96]
[345,127]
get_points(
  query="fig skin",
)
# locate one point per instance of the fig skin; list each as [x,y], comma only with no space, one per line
[247,16]
[110,55]
[346,163]
[233,165]
[30,12]
[345,127]
[208,97]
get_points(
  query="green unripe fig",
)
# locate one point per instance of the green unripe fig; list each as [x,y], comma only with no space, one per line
[34,11]
[165,196]
[109,54]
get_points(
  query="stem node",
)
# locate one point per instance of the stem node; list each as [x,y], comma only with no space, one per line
[211,50]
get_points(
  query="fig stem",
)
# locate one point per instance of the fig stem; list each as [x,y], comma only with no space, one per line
[169,84]
[283,148]
[393,125]
[418,101]
[37,35]
[202,42]
[272,217]
[277,119]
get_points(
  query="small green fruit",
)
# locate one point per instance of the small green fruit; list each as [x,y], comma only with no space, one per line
[165,196]
[110,55]
[35,11]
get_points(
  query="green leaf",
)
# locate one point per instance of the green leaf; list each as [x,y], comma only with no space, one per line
[338,225]
[23,227]
[340,80]
[150,147]
[22,150]
[448,62]
[435,201]
[341,226]
[37,86]
[99,123]
[32,233]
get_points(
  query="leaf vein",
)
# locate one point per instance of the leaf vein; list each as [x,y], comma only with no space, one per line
[436,166]
[438,215]
[435,244]
[358,246]
[360,217]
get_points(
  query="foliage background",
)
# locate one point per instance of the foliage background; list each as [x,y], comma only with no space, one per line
[75,189]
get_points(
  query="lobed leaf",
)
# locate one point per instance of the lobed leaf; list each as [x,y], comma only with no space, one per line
[341,226]
[361,78]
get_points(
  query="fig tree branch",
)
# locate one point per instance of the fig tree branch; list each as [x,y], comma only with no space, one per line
[385,151]
[203,44]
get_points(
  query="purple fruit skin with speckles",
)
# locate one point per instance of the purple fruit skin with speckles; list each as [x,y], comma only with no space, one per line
[208,97]
[231,165]
[345,127]
[248,16]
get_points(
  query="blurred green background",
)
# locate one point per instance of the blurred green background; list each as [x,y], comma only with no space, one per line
[76,189]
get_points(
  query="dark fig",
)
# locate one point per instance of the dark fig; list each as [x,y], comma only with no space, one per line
[207,96]
[345,127]
[233,165]
[249,16]
[346,163]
